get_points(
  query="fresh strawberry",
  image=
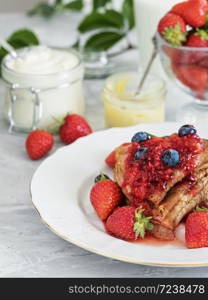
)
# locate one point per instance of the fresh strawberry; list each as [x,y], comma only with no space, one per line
[128,223]
[74,127]
[196,230]
[198,39]
[38,143]
[192,76]
[111,159]
[192,11]
[105,196]
[173,29]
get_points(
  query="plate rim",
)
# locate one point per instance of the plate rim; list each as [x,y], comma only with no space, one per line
[80,245]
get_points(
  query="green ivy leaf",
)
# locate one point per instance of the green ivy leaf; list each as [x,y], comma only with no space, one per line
[142,223]
[74,5]
[103,41]
[128,13]
[95,20]
[43,9]
[100,3]
[23,38]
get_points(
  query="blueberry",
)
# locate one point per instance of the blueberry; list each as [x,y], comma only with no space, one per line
[140,153]
[186,129]
[101,177]
[170,157]
[140,137]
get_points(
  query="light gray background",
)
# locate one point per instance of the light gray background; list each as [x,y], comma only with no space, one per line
[27,247]
[17,5]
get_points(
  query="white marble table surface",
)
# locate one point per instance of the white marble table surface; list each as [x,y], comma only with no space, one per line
[27,247]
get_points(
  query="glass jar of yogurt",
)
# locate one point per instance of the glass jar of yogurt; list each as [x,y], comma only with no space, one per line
[42,84]
[124,108]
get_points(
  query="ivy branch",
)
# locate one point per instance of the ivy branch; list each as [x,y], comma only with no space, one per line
[104,25]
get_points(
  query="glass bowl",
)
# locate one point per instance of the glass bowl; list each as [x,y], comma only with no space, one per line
[187,68]
[122,107]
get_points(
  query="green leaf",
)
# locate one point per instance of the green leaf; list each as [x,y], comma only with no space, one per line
[43,9]
[95,20]
[103,41]
[100,3]
[74,5]
[142,223]
[23,38]
[128,13]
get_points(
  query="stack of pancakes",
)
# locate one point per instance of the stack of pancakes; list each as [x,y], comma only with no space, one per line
[179,196]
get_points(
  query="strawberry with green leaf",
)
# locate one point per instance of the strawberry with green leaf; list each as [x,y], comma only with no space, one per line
[105,196]
[128,223]
[197,39]
[173,29]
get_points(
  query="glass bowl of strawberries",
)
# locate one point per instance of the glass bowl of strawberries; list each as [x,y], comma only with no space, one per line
[182,41]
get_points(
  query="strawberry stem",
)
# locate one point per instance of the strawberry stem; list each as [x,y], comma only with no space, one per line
[142,223]
[174,35]
[101,177]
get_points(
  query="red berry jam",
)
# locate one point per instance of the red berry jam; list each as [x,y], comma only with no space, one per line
[150,175]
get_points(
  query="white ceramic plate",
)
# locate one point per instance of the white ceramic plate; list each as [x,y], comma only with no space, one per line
[60,193]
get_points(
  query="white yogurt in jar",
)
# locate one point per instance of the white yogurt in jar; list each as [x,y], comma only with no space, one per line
[42,84]
[147,14]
